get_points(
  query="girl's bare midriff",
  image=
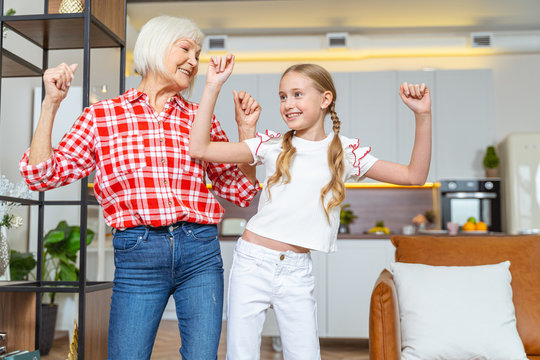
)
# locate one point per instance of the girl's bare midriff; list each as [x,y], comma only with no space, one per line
[270,243]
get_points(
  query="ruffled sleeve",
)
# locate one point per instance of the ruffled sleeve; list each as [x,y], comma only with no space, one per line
[358,159]
[260,144]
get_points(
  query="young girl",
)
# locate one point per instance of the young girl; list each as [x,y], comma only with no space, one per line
[299,206]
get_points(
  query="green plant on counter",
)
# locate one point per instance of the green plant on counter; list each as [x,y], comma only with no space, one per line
[491,160]
[346,216]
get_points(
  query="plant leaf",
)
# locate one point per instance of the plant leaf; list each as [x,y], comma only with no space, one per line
[74,242]
[68,272]
[21,264]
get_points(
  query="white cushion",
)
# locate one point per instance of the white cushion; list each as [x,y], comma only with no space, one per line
[457,312]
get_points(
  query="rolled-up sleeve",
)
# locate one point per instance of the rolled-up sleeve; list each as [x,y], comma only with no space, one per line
[72,160]
[228,181]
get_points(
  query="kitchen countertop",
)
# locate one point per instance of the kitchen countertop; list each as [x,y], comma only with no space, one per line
[379,237]
[340,237]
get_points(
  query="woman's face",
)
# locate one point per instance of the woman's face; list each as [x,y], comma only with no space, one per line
[182,62]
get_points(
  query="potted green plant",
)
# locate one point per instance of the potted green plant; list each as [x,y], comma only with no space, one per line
[346,217]
[60,248]
[491,162]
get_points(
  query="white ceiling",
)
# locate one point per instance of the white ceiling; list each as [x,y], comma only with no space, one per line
[270,17]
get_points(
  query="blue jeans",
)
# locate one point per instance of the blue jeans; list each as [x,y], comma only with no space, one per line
[183,260]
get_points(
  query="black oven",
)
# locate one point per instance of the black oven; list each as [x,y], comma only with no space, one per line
[481,199]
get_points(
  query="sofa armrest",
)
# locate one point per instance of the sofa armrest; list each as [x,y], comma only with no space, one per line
[384,323]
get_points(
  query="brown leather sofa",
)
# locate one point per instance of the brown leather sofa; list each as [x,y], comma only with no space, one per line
[522,251]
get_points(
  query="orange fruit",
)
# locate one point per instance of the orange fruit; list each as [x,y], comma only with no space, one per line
[481,226]
[468,226]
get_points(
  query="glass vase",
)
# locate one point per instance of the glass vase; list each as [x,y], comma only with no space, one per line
[4,254]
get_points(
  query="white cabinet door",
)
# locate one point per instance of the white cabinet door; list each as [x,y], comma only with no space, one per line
[464,118]
[351,274]
[373,112]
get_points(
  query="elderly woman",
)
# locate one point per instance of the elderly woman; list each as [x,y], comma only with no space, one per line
[152,193]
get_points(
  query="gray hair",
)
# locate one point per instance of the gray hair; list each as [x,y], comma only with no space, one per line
[156,39]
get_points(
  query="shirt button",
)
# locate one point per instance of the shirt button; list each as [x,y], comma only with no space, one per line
[165,182]
[159,123]
[282,257]
[163,161]
[170,202]
[161,140]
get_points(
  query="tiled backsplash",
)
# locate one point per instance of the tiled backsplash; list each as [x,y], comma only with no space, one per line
[396,206]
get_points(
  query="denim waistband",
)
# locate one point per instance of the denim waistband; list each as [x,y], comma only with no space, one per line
[169,228]
[279,257]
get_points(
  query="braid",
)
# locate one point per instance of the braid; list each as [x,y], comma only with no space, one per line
[283,162]
[336,124]
[337,167]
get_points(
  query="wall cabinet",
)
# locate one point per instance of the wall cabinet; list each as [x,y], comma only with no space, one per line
[369,107]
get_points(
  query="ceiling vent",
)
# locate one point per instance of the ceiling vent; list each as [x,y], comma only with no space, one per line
[217,42]
[337,40]
[482,40]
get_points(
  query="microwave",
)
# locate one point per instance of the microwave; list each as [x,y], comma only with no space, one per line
[462,199]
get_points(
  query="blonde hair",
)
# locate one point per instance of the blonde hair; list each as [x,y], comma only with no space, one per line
[155,40]
[322,80]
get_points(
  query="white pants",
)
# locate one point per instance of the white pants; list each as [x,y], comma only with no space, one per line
[260,278]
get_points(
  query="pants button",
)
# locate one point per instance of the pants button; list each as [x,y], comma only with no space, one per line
[282,257]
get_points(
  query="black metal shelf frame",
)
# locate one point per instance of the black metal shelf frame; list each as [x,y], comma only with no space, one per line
[91,28]
[54,286]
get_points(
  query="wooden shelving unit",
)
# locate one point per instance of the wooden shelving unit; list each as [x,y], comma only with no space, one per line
[100,25]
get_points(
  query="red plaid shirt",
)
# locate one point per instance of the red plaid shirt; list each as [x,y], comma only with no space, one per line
[144,174]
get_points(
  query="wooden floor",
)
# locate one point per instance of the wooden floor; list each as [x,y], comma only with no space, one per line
[168,340]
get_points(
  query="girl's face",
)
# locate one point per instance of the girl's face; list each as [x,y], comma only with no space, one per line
[302,106]
[182,62]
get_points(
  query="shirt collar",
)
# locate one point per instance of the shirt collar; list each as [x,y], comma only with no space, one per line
[133,94]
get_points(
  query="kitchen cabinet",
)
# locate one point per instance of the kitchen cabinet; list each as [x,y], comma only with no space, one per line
[373,111]
[351,273]
[370,108]
[464,118]
[343,284]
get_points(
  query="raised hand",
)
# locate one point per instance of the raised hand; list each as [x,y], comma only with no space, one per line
[57,81]
[247,110]
[219,69]
[416,97]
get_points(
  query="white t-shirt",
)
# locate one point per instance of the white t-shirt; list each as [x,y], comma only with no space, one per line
[293,212]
